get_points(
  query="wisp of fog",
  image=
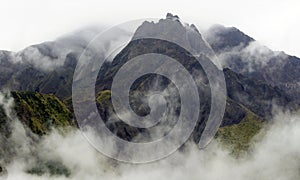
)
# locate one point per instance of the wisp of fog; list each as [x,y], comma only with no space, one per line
[275,156]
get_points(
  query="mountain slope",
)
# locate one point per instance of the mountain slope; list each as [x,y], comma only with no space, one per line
[39,112]
[25,71]
[241,89]
[246,56]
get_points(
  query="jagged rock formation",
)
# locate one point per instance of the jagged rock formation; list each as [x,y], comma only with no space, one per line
[251,93]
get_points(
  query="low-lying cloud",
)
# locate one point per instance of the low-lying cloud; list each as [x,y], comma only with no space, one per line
[49,56]
[275,156]
[253,56]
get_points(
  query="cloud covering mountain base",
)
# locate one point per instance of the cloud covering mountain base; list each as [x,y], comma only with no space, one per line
[275,155]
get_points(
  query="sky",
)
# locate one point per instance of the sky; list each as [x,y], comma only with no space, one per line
[273,23]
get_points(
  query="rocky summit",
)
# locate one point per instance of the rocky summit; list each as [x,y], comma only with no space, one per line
[40,79]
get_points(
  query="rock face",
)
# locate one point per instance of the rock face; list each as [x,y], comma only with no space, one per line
[245,56]
[27,77]
[184,35]
[47,67]
[20,71]
[172,17]
[253,87]
[241,89]
[221,38]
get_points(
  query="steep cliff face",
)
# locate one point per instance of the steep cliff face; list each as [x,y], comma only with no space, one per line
[251,94]
[238,127]
[23,71]
[244,55]
[222,39]
[256,95]
[244,92]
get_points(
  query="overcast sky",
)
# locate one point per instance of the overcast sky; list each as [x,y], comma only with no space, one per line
[272,22]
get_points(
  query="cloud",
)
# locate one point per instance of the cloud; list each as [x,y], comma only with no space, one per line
[275,155]
[249,58]
[51,55]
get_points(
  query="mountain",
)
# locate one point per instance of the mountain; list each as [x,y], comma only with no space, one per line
[222,39]
[32,116]
[182,34]
[242,89]
[244,92]
[39,112]
[47,67]
[40,78]
[253,87]
[245,56]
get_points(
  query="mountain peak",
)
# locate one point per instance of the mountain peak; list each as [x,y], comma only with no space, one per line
[172,29]
[222,38]
[172,17]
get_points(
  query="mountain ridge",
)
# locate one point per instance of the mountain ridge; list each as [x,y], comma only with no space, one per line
[43,97]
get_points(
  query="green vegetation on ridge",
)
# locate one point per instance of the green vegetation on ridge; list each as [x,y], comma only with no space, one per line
[239,137]
[41,112]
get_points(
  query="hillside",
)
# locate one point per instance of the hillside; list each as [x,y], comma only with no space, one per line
[40,79]
[39,112]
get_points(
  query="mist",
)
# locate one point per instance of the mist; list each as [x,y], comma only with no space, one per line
[253,56]
[274,155]
[50,55]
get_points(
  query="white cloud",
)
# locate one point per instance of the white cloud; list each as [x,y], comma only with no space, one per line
[275,156]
